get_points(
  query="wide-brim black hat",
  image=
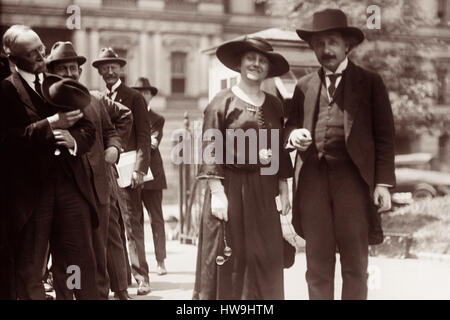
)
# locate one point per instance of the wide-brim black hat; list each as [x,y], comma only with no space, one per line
[64,93]
[230,54]
[63,52]
[328,20]
[143,83]
[107,55]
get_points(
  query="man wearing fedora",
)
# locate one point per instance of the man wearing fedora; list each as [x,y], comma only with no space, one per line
[342,126]
[49,198]
[109,66]
[64,61]
[152,191]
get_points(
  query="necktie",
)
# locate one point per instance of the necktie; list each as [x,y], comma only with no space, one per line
[110,95]
[332,88]
[37,85]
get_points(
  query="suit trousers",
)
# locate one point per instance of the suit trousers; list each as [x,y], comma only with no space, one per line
[152,200]
[117,251]
[61,216]
[134,226]
[334,205]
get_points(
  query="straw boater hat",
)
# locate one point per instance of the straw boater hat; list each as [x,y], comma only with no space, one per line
[230,54]
[65,94]
[63,52]
[107,55]
[331,19]
[142,83]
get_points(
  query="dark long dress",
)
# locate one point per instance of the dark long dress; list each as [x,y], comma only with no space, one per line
[253,230]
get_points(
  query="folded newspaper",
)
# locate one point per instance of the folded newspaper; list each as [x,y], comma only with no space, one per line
[125,169]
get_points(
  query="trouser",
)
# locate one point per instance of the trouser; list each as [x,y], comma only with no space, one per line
[152,200]
[117,252]
[334,206]
[62,216]
[134,226]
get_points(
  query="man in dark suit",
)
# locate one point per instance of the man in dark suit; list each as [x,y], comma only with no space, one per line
[342,125]
[48,195]
[64,61]
[152,192]
[110,66]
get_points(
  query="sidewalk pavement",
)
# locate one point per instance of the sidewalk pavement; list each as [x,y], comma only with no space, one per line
[389,278]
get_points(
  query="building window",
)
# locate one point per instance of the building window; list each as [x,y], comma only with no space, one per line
[260,7]
[442,97]
[443,11]
[178,72]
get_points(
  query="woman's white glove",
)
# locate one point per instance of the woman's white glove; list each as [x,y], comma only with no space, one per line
[219,201]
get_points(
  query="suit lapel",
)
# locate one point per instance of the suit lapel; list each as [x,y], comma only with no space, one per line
[23,95]
[119,96]
[311,96]
[352,97]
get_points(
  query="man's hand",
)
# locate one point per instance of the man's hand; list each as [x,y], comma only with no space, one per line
[137,179]
[382,198]
[219,201]
[300,139]
[64,120]
[111,155]
[284,197]
[64,138]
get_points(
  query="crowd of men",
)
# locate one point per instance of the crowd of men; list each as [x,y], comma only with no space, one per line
[60,198]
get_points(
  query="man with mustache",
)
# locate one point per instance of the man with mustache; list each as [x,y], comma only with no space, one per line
[342,126]
[106,115]
[49,197]
[109,66]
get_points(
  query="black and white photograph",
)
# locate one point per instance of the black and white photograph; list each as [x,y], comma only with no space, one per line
[238,151]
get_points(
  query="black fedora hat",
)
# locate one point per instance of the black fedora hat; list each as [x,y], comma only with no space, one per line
[230,54]
[65,94]
[143,83]
[331,19]
[63,52]
[107,55]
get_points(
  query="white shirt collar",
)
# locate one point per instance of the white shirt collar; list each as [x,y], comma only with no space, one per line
[29,77]
[114,87]
[341,67]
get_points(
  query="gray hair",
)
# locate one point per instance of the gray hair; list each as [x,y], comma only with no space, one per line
[10,37]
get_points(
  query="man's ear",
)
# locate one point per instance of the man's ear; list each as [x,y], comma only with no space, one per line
[80,70]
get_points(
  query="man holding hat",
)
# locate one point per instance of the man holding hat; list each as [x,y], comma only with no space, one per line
[109,66]
[152,191]
[64,61]
[43,136]
[342,126]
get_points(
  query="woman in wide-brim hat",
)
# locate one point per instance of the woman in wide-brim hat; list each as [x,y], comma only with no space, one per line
[241,247]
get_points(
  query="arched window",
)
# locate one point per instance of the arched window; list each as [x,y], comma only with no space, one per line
[178,72]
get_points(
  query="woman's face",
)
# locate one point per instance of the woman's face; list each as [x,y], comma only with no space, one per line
[254,66]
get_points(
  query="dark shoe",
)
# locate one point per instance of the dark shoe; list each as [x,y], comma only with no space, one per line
[144,288]
[122,295]
[161,269]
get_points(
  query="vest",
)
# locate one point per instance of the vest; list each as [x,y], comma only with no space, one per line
[329,134]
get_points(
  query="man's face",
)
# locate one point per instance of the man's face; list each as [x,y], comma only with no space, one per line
[68,69]
[330,48]
[110,73]
[28,52]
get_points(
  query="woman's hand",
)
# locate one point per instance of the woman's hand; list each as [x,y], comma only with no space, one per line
[219,201]
[284,196]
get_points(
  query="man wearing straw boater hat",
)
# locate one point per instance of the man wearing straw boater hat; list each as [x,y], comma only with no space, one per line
[342,126]
[152,191]
[107,116]
[110,66]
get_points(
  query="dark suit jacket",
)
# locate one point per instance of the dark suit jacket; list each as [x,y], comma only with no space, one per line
[368,125]
[106,136]
[140,131]
[28,145]
[156,163]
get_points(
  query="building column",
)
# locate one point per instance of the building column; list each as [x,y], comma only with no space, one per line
[158,63]
[94,42]
[79,40]
[143,55]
